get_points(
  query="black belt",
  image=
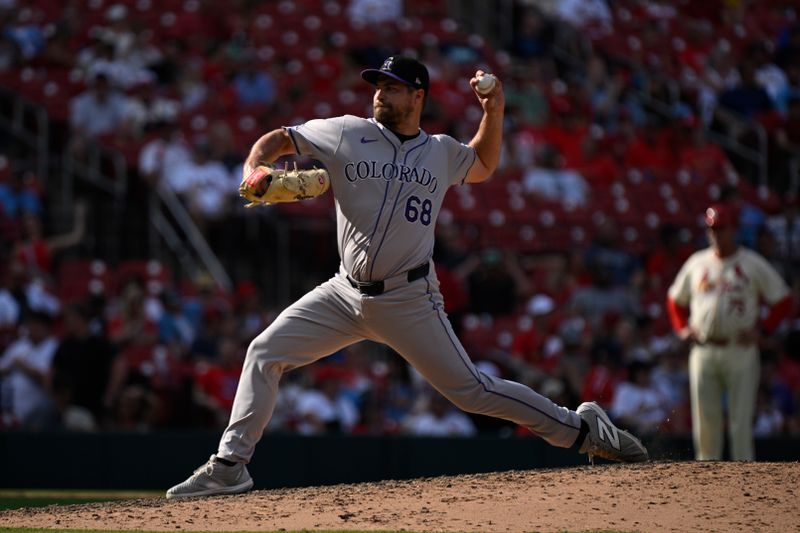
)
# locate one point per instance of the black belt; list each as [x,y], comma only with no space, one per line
[374,288]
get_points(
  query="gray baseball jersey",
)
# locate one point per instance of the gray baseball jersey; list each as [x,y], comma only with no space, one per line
[388,194]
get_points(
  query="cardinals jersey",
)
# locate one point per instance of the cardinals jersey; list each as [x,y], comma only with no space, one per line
[724,294]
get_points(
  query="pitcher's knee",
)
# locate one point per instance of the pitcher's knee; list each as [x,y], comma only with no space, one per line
[266,360]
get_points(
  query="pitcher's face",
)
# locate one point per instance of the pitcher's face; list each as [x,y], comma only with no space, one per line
[393,102]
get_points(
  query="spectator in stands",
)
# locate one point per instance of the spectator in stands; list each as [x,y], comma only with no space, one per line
[497,283]
[205,185]
[667,258]
[253,84]
[143,53]
[786,138]
[173,68]
[603,90]
[719,74]
[325,409]
[638,404]
[746,101]
[750,217]
[222,148]
[137,409]
[785,230]
[121,74]
[602,298]
[455,261]
[215,382]
[118,32]
[670,377]
[365,12]
[778,405]
[769,420]
[206,342]
[251,315]
[606,256]
[25,373]
[788,46]
[547,180]
[35,252]
[87,374]
[604,374]
[208,302]
[596,164]
[100,110]
[533,33]
[529,348]
[167,151]
[768,75]
[27,32]
[650,151]
[705,161]
[766,248]
[131,331]
[588,14]
[439,418]
[20,194]
[146,110]
[10,309]
[91,51]
[175,331]
[10,55]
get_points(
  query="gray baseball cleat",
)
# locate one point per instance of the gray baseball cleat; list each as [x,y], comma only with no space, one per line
[214,478]
[606,440]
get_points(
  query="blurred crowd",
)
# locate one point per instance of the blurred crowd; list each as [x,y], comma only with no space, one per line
[554,273]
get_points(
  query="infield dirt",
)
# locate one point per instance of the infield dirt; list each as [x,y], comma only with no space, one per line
[652,497]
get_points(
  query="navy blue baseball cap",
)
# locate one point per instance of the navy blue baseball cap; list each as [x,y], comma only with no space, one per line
[404,69]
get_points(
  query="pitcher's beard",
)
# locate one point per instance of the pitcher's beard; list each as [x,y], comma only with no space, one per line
[390,117]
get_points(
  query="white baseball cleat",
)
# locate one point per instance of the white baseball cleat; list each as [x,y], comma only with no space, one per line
[214,478]
[606,440]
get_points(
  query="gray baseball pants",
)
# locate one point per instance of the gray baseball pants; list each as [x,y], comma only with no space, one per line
[409,318]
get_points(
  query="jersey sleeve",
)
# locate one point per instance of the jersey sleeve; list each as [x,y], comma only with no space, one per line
[318,138]
[681,289]
[460,158]
[771,286]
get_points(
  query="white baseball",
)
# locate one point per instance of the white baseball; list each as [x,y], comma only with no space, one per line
[486,84]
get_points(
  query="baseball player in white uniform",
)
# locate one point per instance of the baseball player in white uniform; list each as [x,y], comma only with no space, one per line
[389,178]
[714,302]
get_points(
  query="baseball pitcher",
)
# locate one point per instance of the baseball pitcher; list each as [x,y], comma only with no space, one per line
[388,178]
[714,303]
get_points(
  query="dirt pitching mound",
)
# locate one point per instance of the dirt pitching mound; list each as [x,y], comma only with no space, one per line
[689,496]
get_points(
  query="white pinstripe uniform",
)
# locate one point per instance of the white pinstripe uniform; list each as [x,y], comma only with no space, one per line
[723,296]
[388,194]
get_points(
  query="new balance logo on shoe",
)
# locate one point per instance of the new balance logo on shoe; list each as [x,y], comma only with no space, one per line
[606,440]
[608,433]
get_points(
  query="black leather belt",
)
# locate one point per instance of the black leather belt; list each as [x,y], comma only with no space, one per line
[374,288]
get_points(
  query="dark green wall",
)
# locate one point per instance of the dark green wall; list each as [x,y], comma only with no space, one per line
[157,461]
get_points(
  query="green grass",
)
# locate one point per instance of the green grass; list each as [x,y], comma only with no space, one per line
[17,499]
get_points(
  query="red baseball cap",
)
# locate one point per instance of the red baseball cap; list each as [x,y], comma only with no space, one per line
[720,216]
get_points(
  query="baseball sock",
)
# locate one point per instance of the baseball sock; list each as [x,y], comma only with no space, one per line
[581,434]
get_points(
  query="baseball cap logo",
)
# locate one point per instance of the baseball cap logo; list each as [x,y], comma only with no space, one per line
[403,69]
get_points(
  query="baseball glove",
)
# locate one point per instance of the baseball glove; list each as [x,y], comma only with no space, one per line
[268,185]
